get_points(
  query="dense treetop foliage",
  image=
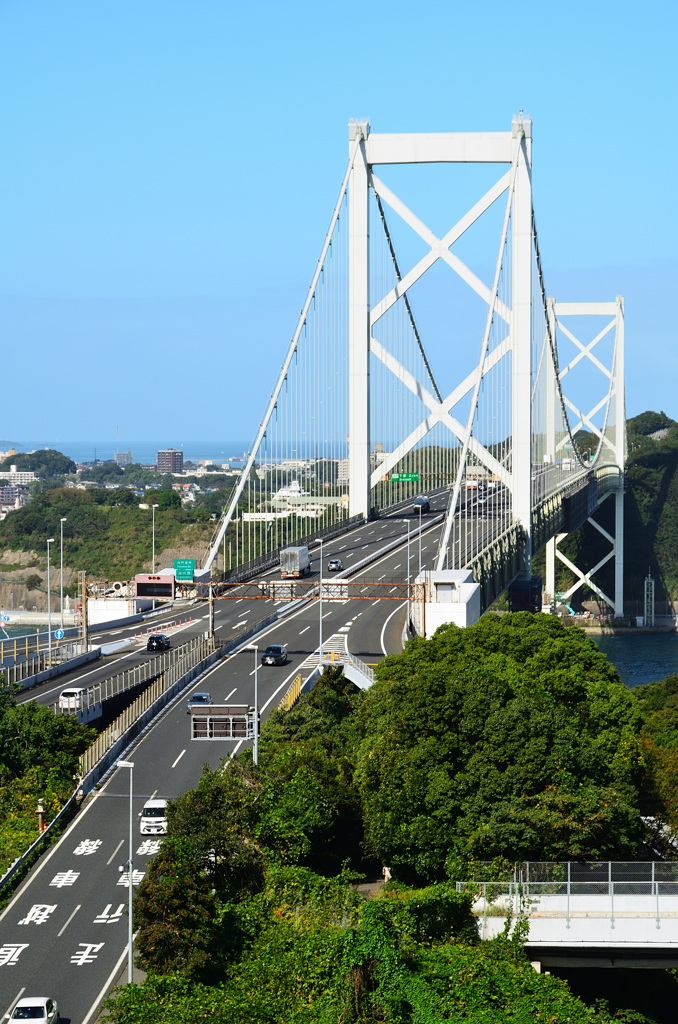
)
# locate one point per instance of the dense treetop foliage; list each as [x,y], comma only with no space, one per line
[513,738]
[45,463]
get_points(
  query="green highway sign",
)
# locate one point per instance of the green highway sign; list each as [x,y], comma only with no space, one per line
[184,569]
[400,477]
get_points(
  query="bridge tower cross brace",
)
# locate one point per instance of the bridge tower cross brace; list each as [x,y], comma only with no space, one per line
[516,148]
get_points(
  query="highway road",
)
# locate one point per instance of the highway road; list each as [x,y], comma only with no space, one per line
[64,933]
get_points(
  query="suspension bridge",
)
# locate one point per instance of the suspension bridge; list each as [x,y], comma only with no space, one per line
[436,362]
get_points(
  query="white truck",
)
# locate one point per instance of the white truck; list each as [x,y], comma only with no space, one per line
[294,562]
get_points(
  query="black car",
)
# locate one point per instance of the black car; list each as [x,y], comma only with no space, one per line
[158,642]
[276,654]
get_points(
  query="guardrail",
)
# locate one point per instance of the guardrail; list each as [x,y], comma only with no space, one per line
[189,656]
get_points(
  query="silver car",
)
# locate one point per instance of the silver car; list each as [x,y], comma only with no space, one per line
[35,1008]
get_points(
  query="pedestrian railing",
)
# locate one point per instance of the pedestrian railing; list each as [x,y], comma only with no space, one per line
[608,889]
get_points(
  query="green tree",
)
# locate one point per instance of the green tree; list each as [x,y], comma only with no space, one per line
[167,499]
[44,463]
[176,914]
[513,738]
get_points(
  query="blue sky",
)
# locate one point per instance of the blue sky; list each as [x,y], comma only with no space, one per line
[169,168]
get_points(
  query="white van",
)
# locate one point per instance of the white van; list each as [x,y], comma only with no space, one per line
[73,698]
[154,818]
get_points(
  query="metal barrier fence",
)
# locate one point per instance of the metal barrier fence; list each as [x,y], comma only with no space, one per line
[32,664]
[189,656]
[580,889]
[126,680]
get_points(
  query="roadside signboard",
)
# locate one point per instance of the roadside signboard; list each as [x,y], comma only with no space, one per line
[403,477]
[58,634]
[184,568]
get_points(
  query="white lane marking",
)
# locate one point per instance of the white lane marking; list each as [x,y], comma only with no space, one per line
[59,934]
[343,547]
[232,692]
[350,554]
[239,624]
[236,748]
[108,983]
[383,631]
[114,852]
[364,589]
[398,566]
[382,577]
[254,670]
[152,796]
[303,630]
[343,629]
[328,613]
[179,758]
[376,602]
[239,600]
[364,546]
[391,590]
[14,1002]
[117,632]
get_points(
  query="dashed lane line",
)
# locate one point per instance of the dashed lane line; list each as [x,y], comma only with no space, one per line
[59,934]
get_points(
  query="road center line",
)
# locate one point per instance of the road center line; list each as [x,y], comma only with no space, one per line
[14,1002]
[179,758]
[59,934]
[114,852]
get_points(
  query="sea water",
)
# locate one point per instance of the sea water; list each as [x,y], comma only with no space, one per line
[641,658]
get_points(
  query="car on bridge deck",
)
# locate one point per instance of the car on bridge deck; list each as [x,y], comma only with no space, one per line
[335,565]
[158,642]
[275,654]
[198,700]
[154,818]
[35,1008]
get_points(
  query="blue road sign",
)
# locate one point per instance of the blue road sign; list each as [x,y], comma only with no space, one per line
[59,634]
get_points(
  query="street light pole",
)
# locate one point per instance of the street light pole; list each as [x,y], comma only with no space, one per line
[255,738]
[130,931]
[49,603]
[61,599]
[153,508]
[320,597]
[420,540]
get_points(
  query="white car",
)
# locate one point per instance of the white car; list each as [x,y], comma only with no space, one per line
[35,1008]
[154,818]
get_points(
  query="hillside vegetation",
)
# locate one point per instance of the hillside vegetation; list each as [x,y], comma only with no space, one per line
[106,533]
[650,516]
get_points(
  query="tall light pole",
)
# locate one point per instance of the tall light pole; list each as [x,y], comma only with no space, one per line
[408,573]
[420,540]
[255,738]
[130,893]
[49,602]
[154,508]
[61,599]
[320,602]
